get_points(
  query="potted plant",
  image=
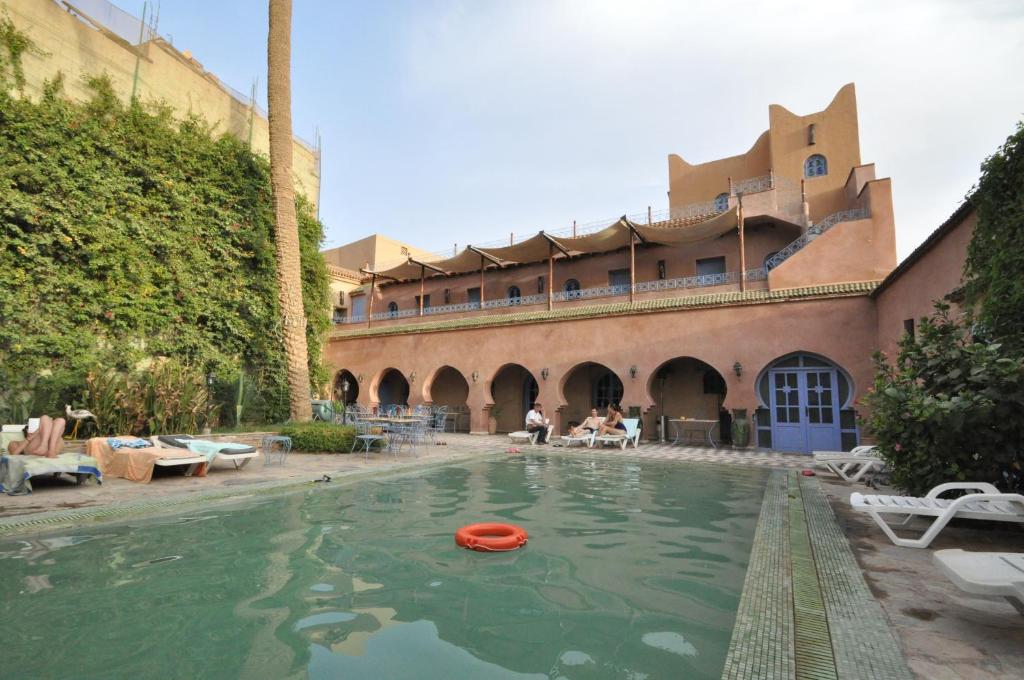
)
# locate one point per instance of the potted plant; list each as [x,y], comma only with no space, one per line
[492,419]
[740,428]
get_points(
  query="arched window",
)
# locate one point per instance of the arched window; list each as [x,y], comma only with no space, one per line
[514,296]
[392,308]
[571,289]
[721,202]
[816,166]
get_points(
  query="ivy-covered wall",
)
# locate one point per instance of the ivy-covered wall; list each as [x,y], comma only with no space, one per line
[128,234]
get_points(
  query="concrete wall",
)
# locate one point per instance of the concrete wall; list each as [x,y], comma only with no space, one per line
[374,250]
[69,46]
[938,272]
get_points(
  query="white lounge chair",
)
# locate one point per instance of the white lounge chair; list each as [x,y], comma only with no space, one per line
[523,436]
[632,434]
[985,573]
[852,466]
[988,504]
[586,439]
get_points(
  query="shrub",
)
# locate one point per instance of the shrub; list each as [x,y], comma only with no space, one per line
[950,409]
[320,436]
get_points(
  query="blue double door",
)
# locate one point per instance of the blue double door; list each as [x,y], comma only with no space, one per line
[805,409]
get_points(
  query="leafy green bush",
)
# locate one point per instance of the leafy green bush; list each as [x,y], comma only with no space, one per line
[164,398]
[320,436]
[950,409]
[995,257]
[126,234]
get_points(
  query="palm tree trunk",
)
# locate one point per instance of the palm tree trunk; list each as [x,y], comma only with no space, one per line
[286,229]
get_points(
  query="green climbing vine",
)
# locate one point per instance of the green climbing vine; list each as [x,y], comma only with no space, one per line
[128,235]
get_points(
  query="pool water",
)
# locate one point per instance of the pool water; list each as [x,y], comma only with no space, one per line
[632,570]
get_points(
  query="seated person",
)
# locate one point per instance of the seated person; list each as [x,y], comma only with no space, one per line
[42,438]
[536,422]
[591,424]
[613,424]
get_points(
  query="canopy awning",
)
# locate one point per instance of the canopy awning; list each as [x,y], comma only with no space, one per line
[538,248]
[676,236]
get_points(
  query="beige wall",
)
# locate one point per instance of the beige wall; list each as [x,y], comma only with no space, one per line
[936,274]
[839,328]
[69,46]
[374,250]
[783,148]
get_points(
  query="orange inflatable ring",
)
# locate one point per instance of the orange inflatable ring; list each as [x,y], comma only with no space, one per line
[491,537]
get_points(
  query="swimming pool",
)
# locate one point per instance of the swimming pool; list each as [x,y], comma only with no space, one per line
[633,570]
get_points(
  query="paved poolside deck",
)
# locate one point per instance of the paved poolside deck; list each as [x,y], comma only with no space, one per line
[846,602]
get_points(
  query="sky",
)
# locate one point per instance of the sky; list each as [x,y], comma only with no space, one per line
[447,122]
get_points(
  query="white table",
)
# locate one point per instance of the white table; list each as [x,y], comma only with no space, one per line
[706,427]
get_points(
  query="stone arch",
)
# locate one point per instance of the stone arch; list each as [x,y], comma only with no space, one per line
[688,387]
[447,386]
[510,390]
[350,396]
[390,387]
[587,385]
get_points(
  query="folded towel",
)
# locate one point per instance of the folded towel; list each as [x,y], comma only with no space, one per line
[128,443]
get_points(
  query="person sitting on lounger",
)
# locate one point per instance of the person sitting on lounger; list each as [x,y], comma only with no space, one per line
[591,424]
[43,440]
[536,422]
[613,424]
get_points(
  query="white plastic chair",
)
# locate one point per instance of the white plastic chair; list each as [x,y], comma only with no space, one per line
[631,435]
[988,504]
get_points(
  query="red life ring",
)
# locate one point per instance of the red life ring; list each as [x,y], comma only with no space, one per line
[491,537]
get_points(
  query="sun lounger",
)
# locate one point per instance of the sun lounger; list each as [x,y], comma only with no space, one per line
[869,451]
[850,467]
[985,573]
[17,471]
[632,434]
[239,454]
[137,464]
[523,436]
[587,439]
[988,503]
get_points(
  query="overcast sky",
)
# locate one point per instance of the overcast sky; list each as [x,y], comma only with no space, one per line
[458,122]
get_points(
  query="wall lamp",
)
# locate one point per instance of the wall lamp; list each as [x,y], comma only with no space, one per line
[737,368]
[359,378]
[412,377]
[632,372]
[475,376]
[544,373]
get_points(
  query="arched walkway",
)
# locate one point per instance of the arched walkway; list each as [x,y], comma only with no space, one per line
[393,389]
[513,389]
[346,387]
[685,387]
[586,386]
[805,405]
[450,388]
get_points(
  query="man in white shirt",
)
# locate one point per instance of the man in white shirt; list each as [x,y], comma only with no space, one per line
[536,422]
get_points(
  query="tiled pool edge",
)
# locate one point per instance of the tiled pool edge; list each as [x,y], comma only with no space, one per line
[806,610]
[862,642]
[762,638]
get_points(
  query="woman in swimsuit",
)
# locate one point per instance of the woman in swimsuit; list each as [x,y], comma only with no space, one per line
[613,422]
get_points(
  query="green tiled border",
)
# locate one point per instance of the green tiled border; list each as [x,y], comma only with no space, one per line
[863,644]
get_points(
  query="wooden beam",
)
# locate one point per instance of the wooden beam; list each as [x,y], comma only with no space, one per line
[481,279]
[743,249]
[423,275]
[429,266]
[632,262]
[484,254]
[551,271]
[555,244]
[369,305]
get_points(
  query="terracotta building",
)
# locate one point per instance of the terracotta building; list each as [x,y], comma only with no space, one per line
[751,296]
